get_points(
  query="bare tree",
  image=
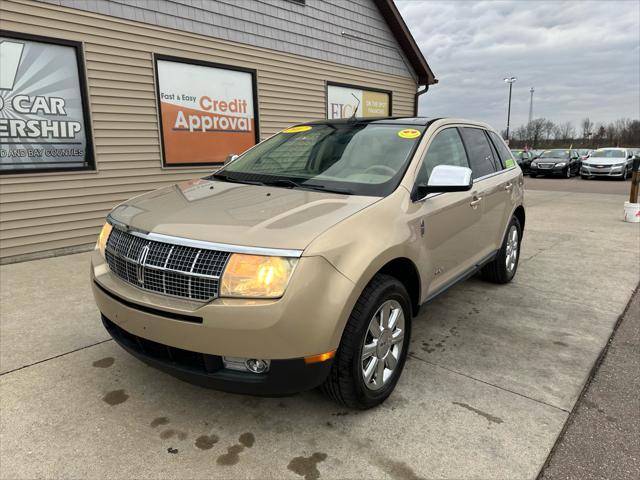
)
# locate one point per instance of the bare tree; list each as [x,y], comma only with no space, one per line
[587,128]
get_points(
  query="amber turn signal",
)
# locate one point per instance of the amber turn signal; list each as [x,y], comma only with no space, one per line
[320,358]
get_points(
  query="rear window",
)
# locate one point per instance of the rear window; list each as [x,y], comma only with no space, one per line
[505,154]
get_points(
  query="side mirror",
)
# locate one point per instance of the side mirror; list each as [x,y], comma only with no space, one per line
[230,158]
[445,178]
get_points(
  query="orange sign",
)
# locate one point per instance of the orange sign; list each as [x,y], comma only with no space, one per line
[207,112]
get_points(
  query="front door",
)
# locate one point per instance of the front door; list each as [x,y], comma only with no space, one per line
[450,222]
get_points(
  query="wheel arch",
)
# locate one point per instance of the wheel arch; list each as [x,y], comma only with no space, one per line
[406,272]
[520,215]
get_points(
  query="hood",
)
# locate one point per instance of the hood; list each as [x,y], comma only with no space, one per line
[604,161]
[239,214]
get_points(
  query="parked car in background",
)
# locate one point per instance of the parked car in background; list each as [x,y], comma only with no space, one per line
[523,158]
[557,162]
[608,162]
[303,261]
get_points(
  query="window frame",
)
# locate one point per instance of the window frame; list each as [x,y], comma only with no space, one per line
[90,158]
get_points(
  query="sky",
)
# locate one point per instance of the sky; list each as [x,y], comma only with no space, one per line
[581,57]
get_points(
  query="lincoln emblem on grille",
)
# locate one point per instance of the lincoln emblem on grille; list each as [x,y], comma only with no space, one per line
[142,258]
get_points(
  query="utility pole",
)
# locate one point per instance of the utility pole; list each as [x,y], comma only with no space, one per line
[510,81]
[531,90]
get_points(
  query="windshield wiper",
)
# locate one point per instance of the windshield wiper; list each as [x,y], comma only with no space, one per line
[286,182]
[227,178]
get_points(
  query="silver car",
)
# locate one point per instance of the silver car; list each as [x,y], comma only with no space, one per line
[608,162]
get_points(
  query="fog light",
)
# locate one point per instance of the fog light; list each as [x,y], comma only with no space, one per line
[253,365]
[257,365]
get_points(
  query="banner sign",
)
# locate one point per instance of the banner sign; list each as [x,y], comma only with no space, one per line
[43,115]
[207,111]
[342,101]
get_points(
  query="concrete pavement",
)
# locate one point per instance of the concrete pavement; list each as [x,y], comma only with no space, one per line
[492,376]
[601,440]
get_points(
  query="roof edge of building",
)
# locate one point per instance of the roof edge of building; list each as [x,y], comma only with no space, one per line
[408,44]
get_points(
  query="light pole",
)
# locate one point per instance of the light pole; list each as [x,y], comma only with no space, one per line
[531,90]
[510,81]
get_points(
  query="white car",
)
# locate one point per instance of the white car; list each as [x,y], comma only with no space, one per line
[608,162]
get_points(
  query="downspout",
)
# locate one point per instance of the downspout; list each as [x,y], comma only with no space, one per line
[417,97]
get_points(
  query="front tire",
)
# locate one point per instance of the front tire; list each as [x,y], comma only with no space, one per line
[374,346]
[568,174]
[503,268]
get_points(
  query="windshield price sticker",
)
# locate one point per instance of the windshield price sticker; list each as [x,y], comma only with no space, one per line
[509,162]
[409,133]
[300,128]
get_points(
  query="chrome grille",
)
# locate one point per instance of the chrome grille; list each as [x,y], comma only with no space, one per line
[546,165]
[165,268]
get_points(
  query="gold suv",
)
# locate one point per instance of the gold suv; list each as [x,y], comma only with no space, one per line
[302,262]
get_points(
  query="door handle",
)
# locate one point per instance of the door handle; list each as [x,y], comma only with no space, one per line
[508,186]
[476,200]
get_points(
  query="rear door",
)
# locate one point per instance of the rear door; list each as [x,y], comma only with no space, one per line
[489,188]
[510,181]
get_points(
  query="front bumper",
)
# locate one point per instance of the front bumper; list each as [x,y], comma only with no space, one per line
[536,170]
[283,378]
[604,171]
[308,320]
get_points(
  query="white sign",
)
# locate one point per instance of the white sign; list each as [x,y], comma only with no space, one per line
[342,102]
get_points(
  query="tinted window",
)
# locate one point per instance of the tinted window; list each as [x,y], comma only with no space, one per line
[480,156]
[504,152]
[445,149]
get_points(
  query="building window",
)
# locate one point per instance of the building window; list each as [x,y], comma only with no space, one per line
[344,101]
[207,111]
[44,118]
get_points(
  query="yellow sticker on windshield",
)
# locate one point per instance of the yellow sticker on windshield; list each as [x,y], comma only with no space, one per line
[299,128]
[409,133]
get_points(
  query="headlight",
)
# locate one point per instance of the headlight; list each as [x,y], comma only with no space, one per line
[561,164]
[256,276]
[104,236]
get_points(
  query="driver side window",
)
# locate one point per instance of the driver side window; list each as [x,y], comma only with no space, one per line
[445,149]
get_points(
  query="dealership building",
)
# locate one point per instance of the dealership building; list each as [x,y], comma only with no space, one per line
[102,100]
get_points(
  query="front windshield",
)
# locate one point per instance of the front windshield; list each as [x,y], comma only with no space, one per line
[608,154]
[359,158]
[517,153]
[555,154]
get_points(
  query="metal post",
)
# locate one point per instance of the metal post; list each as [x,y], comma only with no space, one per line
[635,181]
[510,81]
[531,105]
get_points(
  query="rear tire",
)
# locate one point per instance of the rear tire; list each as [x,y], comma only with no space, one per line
[347,383]
[503,268]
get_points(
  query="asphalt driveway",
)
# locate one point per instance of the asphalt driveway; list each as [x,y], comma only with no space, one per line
[493,373]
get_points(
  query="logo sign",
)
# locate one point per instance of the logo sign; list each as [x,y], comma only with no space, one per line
[207,112]
[43,121]
[142,260]
[343,101]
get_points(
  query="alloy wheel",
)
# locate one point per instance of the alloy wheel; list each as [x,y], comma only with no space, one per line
[383,344]
[511,257]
